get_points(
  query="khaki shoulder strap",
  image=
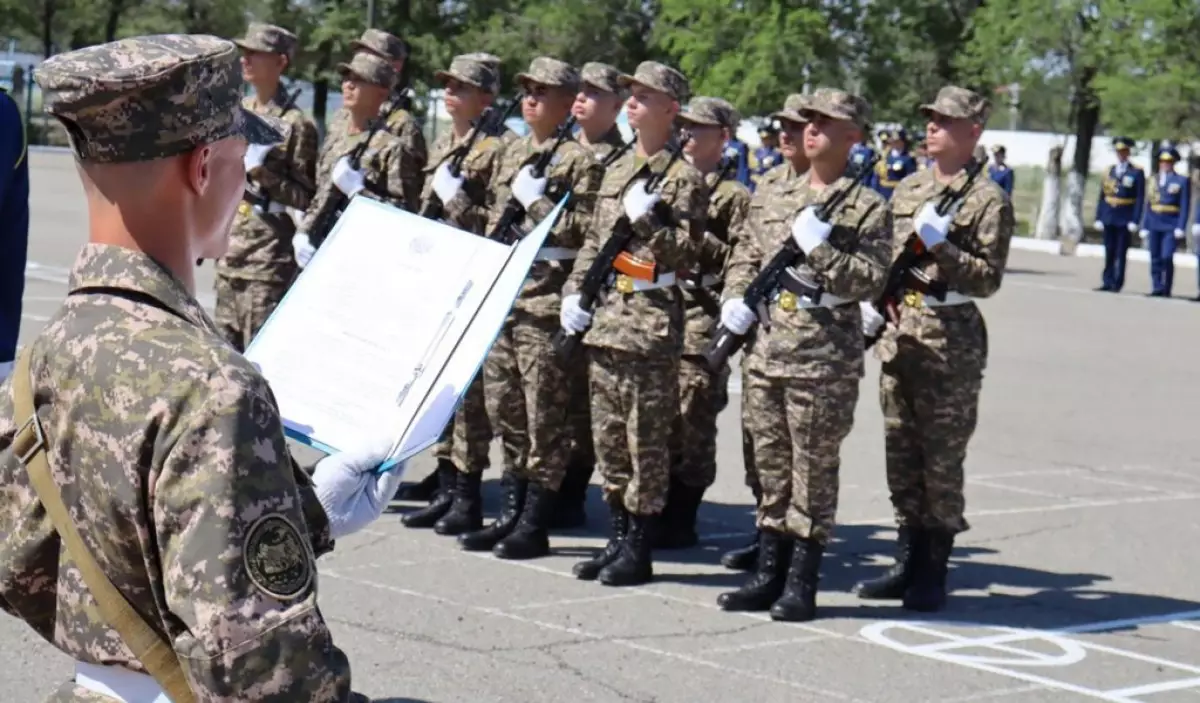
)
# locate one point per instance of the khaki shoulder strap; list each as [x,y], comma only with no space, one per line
[30,445]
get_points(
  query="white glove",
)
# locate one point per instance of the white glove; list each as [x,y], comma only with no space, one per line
[1098,226]
[932,227]
[6,369]
[573,318]
[1132,227]
[871,319]
[1179,234]
[1144,233]
[527,189]
[808,231]
[303,248]
[638,202]
[446,184]
[351,489]
[736,316]
[256,154]
[347,179]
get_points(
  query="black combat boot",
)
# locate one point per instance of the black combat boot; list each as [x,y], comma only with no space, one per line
[512,498]
[745,558]
[618,521]
[774,553]
[677,528]
[892,584]
[930,561]
[799,600]
[633,566]
[570,511]
[425,490]
[466,512]
[429,515]
[530,539]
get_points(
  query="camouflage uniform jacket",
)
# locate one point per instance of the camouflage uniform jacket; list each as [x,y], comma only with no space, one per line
[816,342]
[383,166]
[645,322]
[471,209]
[728,208]
[611,141]
[287,177]
[170,455]
[403,125]
[572,169]
[971,261]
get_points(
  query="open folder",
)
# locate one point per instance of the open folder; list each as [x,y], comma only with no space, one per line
[387,326]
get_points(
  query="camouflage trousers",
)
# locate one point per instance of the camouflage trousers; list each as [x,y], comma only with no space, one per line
[747,438]
[579,414]
[471,436]
[929,414]
[702,396]
[798,426]
[635,399]
[443,450]
[243,306]
[527,396]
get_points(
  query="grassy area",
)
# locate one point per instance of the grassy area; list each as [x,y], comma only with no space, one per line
[1027,200]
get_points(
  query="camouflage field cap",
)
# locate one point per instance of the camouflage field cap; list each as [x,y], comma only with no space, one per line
[793,109]
[839,105]
[472,71]
[602,76]
[268,38]
[380,43]
[660,77]
[150,97]
[713,112]
[549,71]
[370,68]
[959,103]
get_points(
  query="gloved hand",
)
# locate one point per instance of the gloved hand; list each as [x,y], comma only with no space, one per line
[1179,234]
[1144,233]
[736,316]
[527,189]
[346,178]
[638,203]
[871,319]
[256,154]
[1132,227]
[1098,226]
[808,231]
[6,369]
[932,227]
[446,184]
[351,489]
[572,317]
[303,248]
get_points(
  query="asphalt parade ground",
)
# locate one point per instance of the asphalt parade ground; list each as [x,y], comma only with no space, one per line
[1079,578]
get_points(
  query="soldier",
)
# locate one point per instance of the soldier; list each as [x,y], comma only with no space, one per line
[259,266]
[702,395]
[502,131]
[14,227]
[896,164]
[862,152]
[934,356]
[767,156]
[999,171]
[176,507]
[1118,213]
[1165,220]
[526,381]
[634,346]
[780,183]
[804,371]
[466,203]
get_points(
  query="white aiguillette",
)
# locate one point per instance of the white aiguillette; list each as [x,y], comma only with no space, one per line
[387,326]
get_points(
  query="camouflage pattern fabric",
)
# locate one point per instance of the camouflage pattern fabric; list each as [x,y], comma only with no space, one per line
[611,141]
[383,164]
[444,448]
[471,436]
[728,209]
[268,39]
[935,357]
[659,77]
[602,76]
[243,306]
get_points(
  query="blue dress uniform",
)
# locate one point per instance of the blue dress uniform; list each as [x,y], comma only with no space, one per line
[1164,221]
[14,226]
[1118,213]
[860,154]
[1000,173]
[736,149]
[765,159]
[894,168]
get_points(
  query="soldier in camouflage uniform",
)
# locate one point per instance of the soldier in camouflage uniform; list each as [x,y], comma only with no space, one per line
[502,132]
[164,444]
[804,371]
[703,395]
[780,182]
[934,356]
[526,381]
[258,268]
[467,203]
[633,347]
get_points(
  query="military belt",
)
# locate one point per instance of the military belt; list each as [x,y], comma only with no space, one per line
[1119,202]
[1165,209]
[625,283]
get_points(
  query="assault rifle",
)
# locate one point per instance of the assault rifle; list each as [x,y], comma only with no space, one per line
[601,270]
[702,295]
[905,273]
[504,231]
[725,342]
[485,125]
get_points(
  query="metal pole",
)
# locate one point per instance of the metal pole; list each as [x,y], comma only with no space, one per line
[370,14]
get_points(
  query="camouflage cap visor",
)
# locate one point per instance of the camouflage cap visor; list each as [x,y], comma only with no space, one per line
[252,43]
[526,80]
[945,109]
[446,76]
[346,69]
[693,118]
[794,116]
[627,81]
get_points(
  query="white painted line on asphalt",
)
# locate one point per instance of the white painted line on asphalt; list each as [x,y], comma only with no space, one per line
[765,645]
[1158,687]
[1187,625]
[35,318]
[1118,502]
[1016,489]
[576,601]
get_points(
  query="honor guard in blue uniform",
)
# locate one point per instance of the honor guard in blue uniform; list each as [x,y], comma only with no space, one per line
[14,227]
[736,149]
[895,166]
[1118,213]
[861,153]
[767,156]
[999,171]
[1165,220]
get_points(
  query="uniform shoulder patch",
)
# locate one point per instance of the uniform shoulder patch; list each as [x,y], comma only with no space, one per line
[277,559]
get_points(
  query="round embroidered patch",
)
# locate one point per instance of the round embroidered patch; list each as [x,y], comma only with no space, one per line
[277,559]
